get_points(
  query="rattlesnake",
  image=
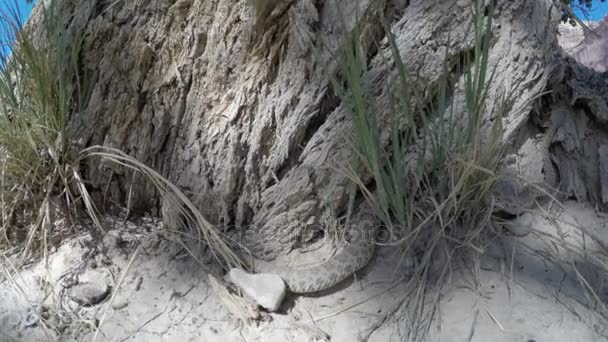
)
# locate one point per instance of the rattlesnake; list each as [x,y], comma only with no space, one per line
[355,255]
[360,246]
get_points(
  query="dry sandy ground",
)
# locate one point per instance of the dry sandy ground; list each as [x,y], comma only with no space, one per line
[514,293]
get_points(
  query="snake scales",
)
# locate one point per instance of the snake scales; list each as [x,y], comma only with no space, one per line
[355,255]
[360,246]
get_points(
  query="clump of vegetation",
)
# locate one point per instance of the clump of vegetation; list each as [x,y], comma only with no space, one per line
[40,85]
[433,164]
[436,165]
[427,176]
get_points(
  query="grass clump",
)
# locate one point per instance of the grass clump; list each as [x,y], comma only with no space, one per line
[431,163]
[40,85]
[436,164]
[197,227]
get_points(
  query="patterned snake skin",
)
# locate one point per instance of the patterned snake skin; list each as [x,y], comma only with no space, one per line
[355,255]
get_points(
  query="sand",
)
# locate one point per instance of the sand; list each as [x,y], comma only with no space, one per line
[521,289]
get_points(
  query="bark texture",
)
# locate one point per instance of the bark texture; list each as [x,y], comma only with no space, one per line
[593,50]
[246,121]
[578,139]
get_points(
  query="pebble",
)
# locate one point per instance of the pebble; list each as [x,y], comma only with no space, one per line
[267,290]
[89,294]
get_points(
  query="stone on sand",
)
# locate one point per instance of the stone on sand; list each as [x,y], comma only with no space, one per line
[267,290]
[89,293]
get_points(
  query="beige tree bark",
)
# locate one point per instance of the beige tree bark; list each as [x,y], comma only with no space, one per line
[241,115]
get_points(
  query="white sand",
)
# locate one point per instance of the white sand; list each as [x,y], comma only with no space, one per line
[166,296]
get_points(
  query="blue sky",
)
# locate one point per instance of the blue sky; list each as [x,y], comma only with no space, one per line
[598,11]
[10,9]
[23,7]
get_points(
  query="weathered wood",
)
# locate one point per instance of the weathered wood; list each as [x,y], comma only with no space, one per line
[251,127]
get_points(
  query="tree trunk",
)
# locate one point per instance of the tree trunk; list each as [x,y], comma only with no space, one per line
[246,121]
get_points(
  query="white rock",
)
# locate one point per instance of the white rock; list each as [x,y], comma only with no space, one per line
[89,294]
[92,287]
[522,225]
[268,290]
[120,304]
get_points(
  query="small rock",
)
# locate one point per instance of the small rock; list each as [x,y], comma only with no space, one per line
[89,293]
[268,290]
[120,304]
[138,283]
[521,226]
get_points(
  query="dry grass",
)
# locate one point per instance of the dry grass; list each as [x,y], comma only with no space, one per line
[39,87]
[41,84]
[427,179]
[432,176]
[201,229]
[425,174]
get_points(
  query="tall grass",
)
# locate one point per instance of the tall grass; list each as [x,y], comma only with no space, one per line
[199,228]
[436,164]
[432,163]
[39,87]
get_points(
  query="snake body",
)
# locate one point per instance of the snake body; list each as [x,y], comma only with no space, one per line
[355,255]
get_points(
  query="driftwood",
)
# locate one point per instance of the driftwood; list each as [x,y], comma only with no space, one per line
[249,126]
